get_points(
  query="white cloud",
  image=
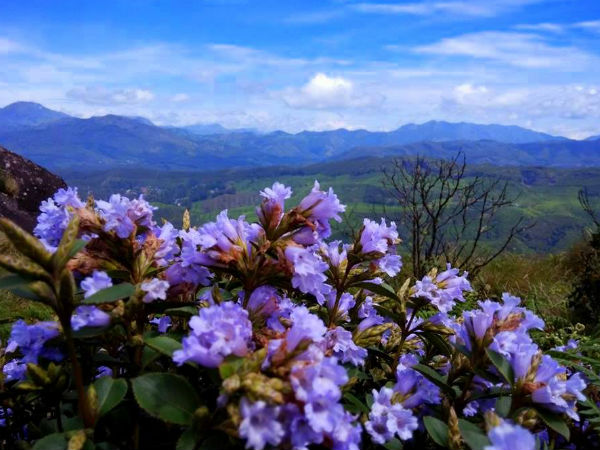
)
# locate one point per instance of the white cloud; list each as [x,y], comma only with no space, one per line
[471,77]
[178,98]
[467,92]
[8,46]
[475,8]
[98,95]
[325,92]
[517,49]
[589,25]
[544,26]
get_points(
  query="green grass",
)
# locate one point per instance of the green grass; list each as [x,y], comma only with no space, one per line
[547,196]
[13,308]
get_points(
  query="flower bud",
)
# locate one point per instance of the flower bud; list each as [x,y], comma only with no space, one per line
[454,436]
[232,384]
[202,419]
[77,440]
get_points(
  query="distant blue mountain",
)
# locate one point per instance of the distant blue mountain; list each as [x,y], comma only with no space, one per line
[593,138]
[27,114]
[207,129]
[440,131]
[56,140]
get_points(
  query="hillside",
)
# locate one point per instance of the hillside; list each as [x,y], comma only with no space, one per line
[23,186]
[27,114]
[59,142]
[547,196]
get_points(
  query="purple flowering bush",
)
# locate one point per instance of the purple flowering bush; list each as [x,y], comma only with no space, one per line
[266,335]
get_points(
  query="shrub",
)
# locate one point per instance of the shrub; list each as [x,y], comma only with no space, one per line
[584,299]
[236,334]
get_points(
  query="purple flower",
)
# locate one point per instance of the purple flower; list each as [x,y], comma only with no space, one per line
[333,254]
[264,301]
[340,342]
[387,420]
[14,369]
[414,387]
[368,313]
[168,247]
[163,323]
[98,281]
[344,304]
[377,237]
[305,327]
[103,371]
[560,395]
[284,311]
[4,413]
[55,216]
[271,210]
[320,207]
[572,344]
[308,271]
[155,289]
[505,435]
[89,316]
[323,414]
[390,264]
[318,377]
[300,433]
[216,332]
[444,289]
[123,215]
[225,240]
[347,433]
[521,358]
[260,424]
[30,340]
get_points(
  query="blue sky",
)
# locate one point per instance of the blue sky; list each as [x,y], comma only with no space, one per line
[296,65]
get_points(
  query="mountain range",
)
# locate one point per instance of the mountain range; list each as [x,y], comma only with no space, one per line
[58,141]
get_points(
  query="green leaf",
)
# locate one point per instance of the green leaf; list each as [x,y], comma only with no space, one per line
[554,421]
[13,281]
[183,311]
[437,429]
[166,396]
[473,435]
[111,294]
[231,365]
[214,442]
[357,405]
[394,444]
[187,440]
[77,247]
[55,441]
[503,405]
[163,344]
[502,365]
[26,292]
[435,378]
[382,289]
[89,332]
[149,355]
[67,242]
[437,341]
[110,393]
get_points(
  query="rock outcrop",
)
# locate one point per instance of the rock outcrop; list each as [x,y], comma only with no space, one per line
[23,186]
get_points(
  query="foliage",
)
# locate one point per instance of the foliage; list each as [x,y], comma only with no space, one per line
[547,196]
[449,216]
[263,334]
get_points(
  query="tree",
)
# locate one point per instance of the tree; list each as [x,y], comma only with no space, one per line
[448,214]
[584,258]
